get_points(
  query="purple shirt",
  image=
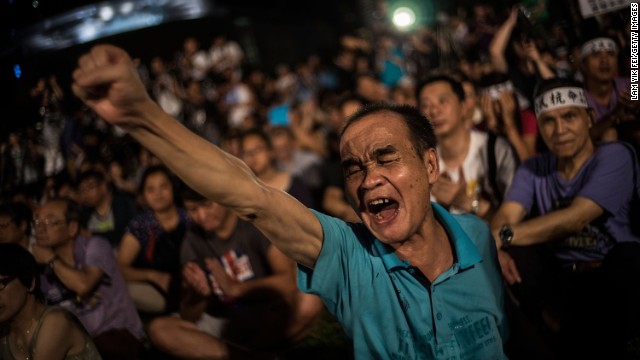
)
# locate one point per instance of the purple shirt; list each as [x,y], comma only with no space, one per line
[607,178]
[619,84]
[109,306]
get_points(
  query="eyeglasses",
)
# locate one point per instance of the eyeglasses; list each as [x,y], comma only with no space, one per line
[47,222]
[4,282]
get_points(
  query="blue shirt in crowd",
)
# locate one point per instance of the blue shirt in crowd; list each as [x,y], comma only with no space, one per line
[391,314]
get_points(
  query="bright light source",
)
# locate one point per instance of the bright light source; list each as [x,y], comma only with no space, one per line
[106,13]
[87,32]
[403,17]
[126,8]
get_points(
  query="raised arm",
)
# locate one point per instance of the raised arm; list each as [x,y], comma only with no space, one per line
[500,40]
[107,82]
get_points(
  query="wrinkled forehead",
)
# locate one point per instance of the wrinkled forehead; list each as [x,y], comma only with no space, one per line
[373,131]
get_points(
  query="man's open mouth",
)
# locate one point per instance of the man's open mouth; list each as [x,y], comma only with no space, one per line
[383,208]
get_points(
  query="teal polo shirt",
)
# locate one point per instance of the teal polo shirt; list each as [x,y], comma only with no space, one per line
[390,314]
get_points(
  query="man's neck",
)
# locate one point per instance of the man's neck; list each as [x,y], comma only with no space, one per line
[104,206]
[430,250]
[227,227]
[454,147]
[600,90]
[166,216]
[570,166]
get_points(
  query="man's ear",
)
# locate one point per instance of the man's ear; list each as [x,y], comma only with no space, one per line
[432,165]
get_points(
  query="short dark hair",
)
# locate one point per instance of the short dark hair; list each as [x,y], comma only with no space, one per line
[19,213]
[17,261]
[281,130]
[99,176]
[188,194]
[259,133]
[72,211]
[420,130]
[456,85]
[549,84]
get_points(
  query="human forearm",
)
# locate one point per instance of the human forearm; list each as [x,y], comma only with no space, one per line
[516,140]
[80,281]
[202,165]
[499,42]
[544,70]
[556,224]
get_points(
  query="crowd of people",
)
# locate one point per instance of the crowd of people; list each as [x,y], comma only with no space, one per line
[198,208]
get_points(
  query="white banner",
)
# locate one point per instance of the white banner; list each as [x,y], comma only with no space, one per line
[589,8]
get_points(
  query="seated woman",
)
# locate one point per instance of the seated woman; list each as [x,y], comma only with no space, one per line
[149,254]
[29,329]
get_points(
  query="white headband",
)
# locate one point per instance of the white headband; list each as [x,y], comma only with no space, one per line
[560,97]
[495,90]
[597,44]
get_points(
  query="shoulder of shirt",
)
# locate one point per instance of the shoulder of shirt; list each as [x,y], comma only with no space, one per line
[537,160]
[469,221]
[613,147]
[477,231]
[98,240]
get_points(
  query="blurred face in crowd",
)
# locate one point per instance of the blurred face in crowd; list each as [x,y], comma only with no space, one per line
[385,177]
[600,66]
[349,108]
[256,154]
[10,232]
[440,104]
[283,146]
[209,215]
[470,98]
[158,192]
[92,192]
[13,296]
[190,46]
[51,227]
[157,65]
[565,131]
[371,89]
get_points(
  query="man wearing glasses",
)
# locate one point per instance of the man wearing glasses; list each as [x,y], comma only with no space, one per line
[82,276]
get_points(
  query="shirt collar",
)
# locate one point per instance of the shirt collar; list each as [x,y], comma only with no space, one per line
[466,254]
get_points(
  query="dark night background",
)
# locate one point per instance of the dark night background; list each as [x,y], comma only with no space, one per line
[270,31]
[280,31]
